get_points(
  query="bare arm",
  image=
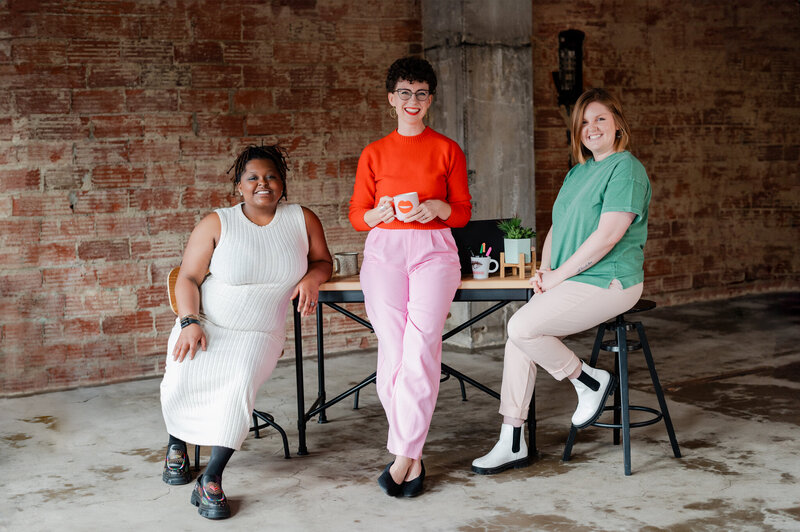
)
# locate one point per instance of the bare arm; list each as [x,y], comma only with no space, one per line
[547,250]
[320,265]
[196,259]
[536,279]
[609,231]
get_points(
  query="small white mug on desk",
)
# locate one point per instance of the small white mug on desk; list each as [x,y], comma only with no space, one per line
[483,266]
[404,204]
[345,263]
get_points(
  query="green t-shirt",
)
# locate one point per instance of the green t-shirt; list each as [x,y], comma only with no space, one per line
[618,183]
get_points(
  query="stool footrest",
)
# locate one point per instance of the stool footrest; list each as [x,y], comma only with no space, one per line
[658,417]
[611,345]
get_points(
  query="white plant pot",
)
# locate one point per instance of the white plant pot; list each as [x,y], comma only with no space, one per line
[514,246]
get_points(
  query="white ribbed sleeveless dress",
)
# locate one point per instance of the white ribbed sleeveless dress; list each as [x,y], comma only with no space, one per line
[209,400]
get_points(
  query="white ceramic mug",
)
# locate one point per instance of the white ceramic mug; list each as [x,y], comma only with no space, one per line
[404,204]
[345,263]
[483,266]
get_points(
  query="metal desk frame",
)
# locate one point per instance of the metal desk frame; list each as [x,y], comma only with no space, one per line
[348,290]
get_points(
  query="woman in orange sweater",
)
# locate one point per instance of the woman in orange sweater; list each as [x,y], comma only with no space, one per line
[411,269]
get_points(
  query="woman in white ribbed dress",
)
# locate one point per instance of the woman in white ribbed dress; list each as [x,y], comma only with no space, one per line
[230,333]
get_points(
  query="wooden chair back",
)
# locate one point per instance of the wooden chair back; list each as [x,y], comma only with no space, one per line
[171,279]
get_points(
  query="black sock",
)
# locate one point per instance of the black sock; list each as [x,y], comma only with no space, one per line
[175,441]
[217,462]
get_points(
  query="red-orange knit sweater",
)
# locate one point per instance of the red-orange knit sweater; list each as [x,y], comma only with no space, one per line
[429,164]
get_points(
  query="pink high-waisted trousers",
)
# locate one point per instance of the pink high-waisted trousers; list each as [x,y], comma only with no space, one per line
[409,278]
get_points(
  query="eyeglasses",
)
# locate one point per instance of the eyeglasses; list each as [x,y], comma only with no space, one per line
[405,94]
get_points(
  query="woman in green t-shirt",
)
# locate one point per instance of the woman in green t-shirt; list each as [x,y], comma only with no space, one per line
[591,271]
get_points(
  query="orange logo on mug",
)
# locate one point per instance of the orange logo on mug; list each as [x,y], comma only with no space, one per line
[404,206]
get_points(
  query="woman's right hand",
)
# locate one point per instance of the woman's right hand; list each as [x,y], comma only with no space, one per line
[187,342]
[384,212]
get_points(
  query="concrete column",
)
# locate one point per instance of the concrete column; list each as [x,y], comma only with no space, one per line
[481,51]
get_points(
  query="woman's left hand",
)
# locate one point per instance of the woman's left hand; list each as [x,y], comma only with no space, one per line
[544,280]
[429,210]
[550,279]
[307,294]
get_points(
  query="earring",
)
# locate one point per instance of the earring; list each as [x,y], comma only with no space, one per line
[392,112]
[619,133]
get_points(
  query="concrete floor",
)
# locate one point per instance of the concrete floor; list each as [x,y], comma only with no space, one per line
[90,459]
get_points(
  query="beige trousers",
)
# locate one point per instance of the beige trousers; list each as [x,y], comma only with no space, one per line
[535,332]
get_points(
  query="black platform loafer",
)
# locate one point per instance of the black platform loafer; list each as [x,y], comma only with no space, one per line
[387,483]
[414,487]
[176,466]
[210,499]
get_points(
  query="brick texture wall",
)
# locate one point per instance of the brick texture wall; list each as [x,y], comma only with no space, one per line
[118,122]
[119,119]
[712,93]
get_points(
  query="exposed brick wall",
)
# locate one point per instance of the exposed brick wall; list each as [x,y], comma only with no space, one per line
[711,91]
[118,121]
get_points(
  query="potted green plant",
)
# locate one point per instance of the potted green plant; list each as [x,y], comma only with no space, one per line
[516,240]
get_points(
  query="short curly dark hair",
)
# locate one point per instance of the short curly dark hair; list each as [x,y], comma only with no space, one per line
[411,69]
[275,153]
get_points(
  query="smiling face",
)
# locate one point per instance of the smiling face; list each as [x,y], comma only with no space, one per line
[410,112]
[599,130]
[261,185]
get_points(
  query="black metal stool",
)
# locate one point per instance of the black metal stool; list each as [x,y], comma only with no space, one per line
[621,345]
[267,421]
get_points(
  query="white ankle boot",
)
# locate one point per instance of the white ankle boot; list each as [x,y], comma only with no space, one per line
[593,387]
[510,451]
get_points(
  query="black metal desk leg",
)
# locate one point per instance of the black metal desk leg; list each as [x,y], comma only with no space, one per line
[298,364]
[323,416]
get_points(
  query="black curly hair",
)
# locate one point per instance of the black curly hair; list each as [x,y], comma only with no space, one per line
[274,153]
[411,69]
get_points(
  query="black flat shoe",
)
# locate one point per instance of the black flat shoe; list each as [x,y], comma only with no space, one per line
[414,487]
[176,466]
[210,499]
[387,483]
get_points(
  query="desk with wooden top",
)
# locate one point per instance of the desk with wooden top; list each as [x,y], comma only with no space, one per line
[348,290]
